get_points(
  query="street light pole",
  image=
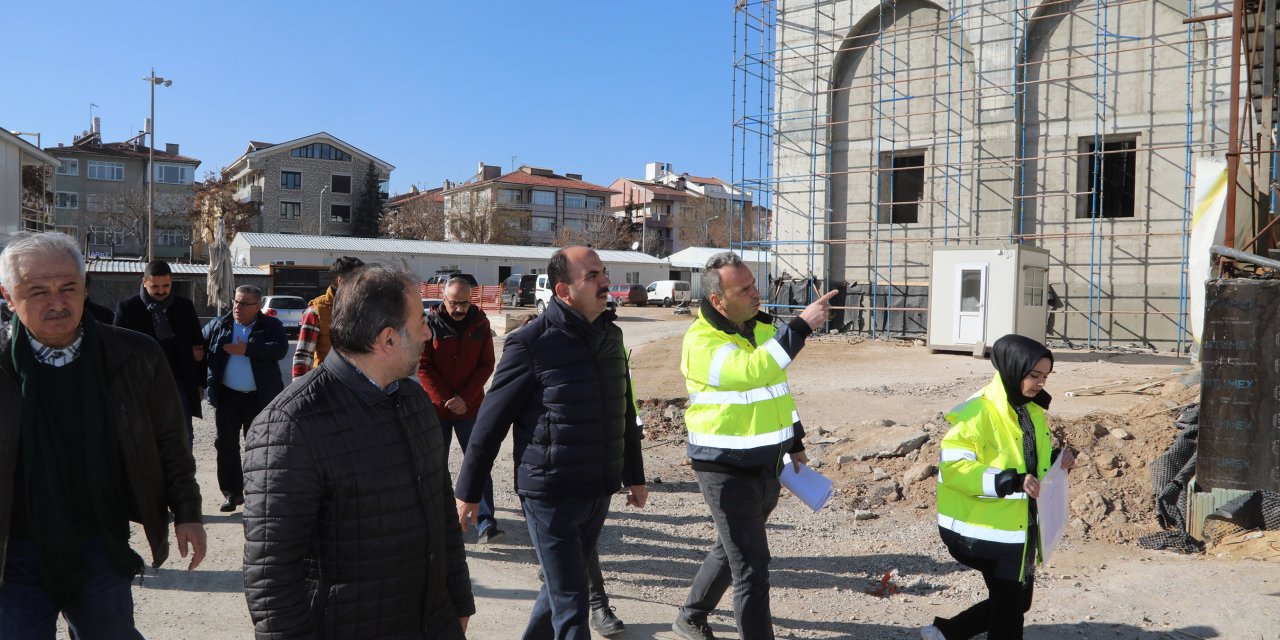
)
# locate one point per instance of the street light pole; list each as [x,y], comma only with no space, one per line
[152,80]
[323,190]
[706,234]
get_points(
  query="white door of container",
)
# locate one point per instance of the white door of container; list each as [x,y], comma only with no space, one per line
[971,303]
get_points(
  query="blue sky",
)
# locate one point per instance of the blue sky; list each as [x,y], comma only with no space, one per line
[593,87]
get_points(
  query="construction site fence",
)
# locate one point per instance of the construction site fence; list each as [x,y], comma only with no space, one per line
[487,297]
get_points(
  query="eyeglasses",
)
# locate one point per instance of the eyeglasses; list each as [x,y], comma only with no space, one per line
[246,303]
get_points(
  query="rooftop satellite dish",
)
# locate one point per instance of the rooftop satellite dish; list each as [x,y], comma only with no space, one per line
[635,245]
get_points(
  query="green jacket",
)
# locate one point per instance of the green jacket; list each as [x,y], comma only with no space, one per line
[984,440]
[741,412]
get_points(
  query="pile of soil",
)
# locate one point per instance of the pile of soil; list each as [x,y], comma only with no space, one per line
[1111,494]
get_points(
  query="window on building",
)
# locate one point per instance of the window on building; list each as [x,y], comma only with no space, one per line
[174,173]
[340,212]
[103,170]
[170,238]
[510,196]
[1117,168]
[384,189]
[102,203]
[544,198]
[290,179]
[575,201]
[1033,286]
[340,184]
[67,200]
[545,225]
[320,151]
[290,210]
[633,277]
[68,167]
[595,203]
[661,208]
[901,187]
[105,235]
[575,225]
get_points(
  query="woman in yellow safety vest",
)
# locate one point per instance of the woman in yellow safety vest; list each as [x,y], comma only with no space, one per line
[993,458]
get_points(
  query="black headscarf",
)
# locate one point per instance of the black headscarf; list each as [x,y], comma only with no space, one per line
[1014,357]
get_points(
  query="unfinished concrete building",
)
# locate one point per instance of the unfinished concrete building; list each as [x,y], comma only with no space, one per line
[878,131]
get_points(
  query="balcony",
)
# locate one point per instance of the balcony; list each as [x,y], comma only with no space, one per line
[250,193]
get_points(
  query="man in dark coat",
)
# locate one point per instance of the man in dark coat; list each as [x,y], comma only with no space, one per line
[564,383]
[455,364]
[91,437]
[245,348]
[349,531]
[171,319]
[100,313]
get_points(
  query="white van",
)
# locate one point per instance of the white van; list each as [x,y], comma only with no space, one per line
[668,292]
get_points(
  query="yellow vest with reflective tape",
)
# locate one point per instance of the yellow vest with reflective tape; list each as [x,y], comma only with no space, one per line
[738,393]
[985,439]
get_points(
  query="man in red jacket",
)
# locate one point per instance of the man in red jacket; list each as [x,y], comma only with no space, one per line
[455,364]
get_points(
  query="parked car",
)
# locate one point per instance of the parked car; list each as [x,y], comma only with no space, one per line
[542,296]
[667,292]
[625,294]
[442,278]
[518,290]
[430,304]
[287,309]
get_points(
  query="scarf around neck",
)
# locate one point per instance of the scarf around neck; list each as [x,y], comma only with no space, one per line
[157,309]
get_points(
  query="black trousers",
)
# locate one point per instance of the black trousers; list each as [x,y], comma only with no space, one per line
[1000,615]
[233,415]
[740,506]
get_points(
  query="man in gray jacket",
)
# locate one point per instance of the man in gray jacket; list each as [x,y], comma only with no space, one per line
[347,519]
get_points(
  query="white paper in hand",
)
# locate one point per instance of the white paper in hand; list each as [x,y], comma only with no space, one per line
[1052,507]
[813,488]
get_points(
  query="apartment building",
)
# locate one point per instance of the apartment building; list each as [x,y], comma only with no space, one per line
[673,211]
[530,205]
[100,195]
[26,189]
[305,186]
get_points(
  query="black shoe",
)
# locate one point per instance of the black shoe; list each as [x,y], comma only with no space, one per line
[491,535]
[605,622]
[692,630]
[232,502]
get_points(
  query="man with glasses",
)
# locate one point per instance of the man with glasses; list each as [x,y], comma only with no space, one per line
[454,366]
[245,348]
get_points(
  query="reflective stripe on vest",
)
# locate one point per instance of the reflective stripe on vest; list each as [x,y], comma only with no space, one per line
[951,455]
[779,354]
[750,396]
[982,533]
[717,363]
[722,441]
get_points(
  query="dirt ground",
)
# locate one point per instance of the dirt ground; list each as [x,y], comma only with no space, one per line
[870,564]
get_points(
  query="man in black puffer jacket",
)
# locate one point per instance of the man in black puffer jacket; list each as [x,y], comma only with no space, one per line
[349,532]
[563,381]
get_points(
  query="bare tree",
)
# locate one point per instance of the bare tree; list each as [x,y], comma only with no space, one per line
[419,219]
[488,223]
[702,222]
[215,199]
[599,231]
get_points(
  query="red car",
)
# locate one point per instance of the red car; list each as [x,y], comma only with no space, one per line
[624,294]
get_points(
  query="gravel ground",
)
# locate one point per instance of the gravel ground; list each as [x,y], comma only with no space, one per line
[827,566]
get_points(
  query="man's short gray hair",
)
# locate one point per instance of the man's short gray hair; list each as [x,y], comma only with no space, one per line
[251,290]
[26,245]
[711,283]
[456,281]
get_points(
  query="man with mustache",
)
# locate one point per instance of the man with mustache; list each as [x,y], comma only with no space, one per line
[455,364]
[91,437]
[171,319]
[564,383]
[741,421]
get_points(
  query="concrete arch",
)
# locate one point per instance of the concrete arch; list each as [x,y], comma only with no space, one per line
[901,84]
[1125,269]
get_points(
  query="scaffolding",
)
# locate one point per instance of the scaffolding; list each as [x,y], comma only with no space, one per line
[871,136]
